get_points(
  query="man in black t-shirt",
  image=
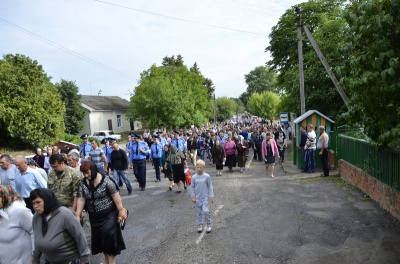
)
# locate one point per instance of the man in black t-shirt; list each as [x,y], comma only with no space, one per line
[119,166]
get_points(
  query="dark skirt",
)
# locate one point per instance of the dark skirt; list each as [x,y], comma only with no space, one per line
[168,174]
[218,165]
[270,160]
[230,161]
[106,234]
[179,173]
[241,160]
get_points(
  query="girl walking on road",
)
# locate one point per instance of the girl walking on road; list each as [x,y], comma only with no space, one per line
[269,150]
[219,157]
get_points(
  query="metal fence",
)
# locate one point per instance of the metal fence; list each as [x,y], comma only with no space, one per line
[383,165]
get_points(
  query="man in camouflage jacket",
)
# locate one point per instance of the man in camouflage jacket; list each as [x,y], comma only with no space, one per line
[63,181]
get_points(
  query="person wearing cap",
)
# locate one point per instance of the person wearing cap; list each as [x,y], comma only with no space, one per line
[178,141]
[85,147]
[139,151]
[33,165]
[156,150]
[162,138]
[107,149]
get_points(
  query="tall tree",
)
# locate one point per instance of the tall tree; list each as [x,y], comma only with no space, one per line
[324,19]
[258,80]
[226,107]
[373,70]
[71,98]
[263,105]
[31,111]
[170,96]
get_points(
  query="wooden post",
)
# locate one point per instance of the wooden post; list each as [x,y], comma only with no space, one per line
[326,65]
[301,72]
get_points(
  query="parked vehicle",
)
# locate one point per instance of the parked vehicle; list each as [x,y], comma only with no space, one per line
[101,134]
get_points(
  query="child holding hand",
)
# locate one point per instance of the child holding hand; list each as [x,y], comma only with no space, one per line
[201,191]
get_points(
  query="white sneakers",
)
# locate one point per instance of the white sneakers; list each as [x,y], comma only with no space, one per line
[200,228]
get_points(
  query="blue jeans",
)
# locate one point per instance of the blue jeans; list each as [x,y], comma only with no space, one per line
[200,209]
[310,158]
[119,175]
[202,152]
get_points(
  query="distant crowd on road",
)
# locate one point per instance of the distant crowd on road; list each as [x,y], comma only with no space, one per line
[70,184]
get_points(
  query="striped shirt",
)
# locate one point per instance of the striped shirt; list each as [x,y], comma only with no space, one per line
[96,155]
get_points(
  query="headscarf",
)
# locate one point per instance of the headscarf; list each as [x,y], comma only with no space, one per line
[50,203]
[8,196]
[175,155]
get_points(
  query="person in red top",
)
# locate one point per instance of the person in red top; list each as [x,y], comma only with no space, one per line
[269,149]
[230,151]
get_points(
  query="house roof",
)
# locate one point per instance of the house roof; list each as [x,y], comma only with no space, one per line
[308,113]
[104,103]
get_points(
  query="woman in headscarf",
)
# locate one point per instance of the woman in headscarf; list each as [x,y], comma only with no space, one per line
[219,156]
[177,159]
[230,150]
[242,147]
[100,195]
[16,239]
[57,233]
[166,166]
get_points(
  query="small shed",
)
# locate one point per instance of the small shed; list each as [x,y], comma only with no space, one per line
[316,119]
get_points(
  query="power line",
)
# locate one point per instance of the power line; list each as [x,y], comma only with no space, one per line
[180,19]
[74,53]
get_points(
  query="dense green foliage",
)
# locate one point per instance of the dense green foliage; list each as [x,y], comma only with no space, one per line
[31,111]
[171,95]
[226,107]
[74,112]
[258,80]
[325,21]
[263,105]
[373,69]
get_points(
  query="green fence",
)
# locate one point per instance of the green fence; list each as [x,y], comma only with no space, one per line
[383,165]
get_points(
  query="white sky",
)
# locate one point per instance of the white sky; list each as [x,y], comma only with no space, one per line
[130,41]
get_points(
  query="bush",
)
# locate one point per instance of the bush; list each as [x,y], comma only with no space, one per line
[71,138]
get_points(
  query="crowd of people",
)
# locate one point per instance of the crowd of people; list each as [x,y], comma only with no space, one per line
[43,200]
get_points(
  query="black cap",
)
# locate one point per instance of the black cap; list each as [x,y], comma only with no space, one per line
[159,132]
[134,135]
[176,132]
[156,137]
[104,140]
[85,136]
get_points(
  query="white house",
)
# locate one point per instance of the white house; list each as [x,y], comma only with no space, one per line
[106,113]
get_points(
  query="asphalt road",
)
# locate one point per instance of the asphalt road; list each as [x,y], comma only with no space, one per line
[292,218]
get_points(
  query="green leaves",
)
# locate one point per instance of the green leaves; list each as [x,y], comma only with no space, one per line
[373,69]
[226,107]
[263,105]
[31,112]
[71,98]
[171,95]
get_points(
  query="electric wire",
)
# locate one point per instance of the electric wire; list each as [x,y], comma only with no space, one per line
[71,52]
[180,19]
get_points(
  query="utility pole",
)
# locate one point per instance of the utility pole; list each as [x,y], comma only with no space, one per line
[326,65]
[301,72]
[215,112]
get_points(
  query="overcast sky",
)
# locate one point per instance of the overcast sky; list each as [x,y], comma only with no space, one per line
[127,41]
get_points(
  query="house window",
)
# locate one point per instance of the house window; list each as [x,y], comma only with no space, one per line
[119,121]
